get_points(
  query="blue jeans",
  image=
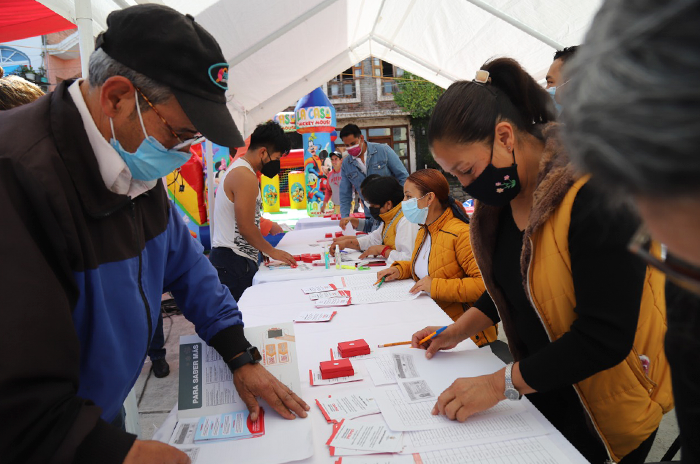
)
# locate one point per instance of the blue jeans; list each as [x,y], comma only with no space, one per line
[157,348]
[235,271]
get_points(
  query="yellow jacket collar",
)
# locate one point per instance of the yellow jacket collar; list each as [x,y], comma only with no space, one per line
[389,215]
[438,223]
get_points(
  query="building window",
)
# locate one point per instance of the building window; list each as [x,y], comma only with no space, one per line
[389,75]
[376,67]
[12,60]
[343,85]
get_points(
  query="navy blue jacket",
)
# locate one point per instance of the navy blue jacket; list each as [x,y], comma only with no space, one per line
[83,273]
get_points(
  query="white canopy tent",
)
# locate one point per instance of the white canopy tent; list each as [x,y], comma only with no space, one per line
[279,50]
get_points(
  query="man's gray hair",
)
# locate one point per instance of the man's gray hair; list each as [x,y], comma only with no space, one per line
[102,67]
[632,111]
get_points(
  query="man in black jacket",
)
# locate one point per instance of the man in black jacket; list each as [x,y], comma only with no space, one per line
[89,243]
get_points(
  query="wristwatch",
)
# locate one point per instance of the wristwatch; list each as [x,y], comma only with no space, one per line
[511,393]
[251,355]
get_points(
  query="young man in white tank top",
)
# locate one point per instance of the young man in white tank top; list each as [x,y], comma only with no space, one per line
[237,238]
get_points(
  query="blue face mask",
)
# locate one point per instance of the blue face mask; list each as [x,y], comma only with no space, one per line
[552,91]
[151,160]
[412,212]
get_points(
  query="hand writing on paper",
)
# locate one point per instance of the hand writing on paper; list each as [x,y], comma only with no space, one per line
[391,273]
[448,339]
[354,221]
[374,250]
[281,255]
[154,452]
[422,285]
[468,396]
[253,380]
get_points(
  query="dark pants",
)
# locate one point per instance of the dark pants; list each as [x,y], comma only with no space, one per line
[235,271]
[639,455]
[157,349]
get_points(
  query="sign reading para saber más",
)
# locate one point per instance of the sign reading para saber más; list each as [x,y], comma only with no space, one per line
[190,392]
[314,116]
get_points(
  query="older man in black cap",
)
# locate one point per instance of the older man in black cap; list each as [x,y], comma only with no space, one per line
[90,242]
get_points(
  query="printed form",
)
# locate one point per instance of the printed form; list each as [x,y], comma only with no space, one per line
[366,436]
[381,369]
[537,450]
[350,405]
[206,389]
[363,291]
[402,415]
[206,383]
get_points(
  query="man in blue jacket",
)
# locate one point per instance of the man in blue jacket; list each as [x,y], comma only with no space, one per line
[90,242]
[365,158]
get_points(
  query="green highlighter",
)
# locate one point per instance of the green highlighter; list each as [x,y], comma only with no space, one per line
[379,283]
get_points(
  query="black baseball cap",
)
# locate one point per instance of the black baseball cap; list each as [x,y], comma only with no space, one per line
[172,49]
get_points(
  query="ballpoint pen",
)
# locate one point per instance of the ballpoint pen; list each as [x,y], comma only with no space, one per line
[433,335]
[393,344]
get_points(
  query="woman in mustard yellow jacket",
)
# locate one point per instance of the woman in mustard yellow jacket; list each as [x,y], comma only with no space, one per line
[442,264]
[585,319]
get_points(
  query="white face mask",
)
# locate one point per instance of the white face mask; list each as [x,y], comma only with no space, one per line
[412,212]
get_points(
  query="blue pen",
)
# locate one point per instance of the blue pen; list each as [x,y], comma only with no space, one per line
[433,335]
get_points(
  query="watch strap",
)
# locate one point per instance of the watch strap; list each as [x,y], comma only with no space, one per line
[510,390]
[246,357]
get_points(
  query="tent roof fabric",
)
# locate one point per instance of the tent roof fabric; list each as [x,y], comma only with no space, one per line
[20,19]
[279,50]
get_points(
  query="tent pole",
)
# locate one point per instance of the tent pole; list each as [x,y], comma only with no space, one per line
[280,32]
[515,23]
[83,17]
[209,159]
[404,53]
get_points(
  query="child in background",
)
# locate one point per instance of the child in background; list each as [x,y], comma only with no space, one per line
[333,191]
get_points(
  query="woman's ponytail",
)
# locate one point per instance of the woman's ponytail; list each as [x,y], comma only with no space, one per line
[468,111]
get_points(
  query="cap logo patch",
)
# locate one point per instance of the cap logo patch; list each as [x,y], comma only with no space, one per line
[218,73]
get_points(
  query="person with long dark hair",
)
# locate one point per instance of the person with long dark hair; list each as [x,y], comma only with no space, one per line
[585,320]
[442,263]
[395,238]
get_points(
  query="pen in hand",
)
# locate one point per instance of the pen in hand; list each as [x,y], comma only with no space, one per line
[432,335]
[380,282]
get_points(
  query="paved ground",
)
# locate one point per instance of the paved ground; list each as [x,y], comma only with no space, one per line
[156,397]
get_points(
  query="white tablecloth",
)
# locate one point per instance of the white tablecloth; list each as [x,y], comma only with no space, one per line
[315,222]
[376,323]
[297,242]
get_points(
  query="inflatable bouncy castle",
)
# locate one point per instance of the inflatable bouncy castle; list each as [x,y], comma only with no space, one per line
[187,188]
[314,117]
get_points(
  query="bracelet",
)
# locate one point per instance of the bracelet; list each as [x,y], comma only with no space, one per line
[384,249]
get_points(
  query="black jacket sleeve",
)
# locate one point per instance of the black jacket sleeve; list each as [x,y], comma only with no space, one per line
[43,419]
[486,305]
[608,283]
[682,347]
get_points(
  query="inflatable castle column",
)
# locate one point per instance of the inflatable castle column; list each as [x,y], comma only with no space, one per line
[315,121]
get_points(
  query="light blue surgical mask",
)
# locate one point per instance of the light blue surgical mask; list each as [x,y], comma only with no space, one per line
[552,91]
[151,160]
[412,212]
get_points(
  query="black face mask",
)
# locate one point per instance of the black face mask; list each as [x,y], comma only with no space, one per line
[495,186]
[271,168]
[374,211]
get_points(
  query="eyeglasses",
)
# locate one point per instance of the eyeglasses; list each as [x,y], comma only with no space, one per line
[183,143]
[683,274]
